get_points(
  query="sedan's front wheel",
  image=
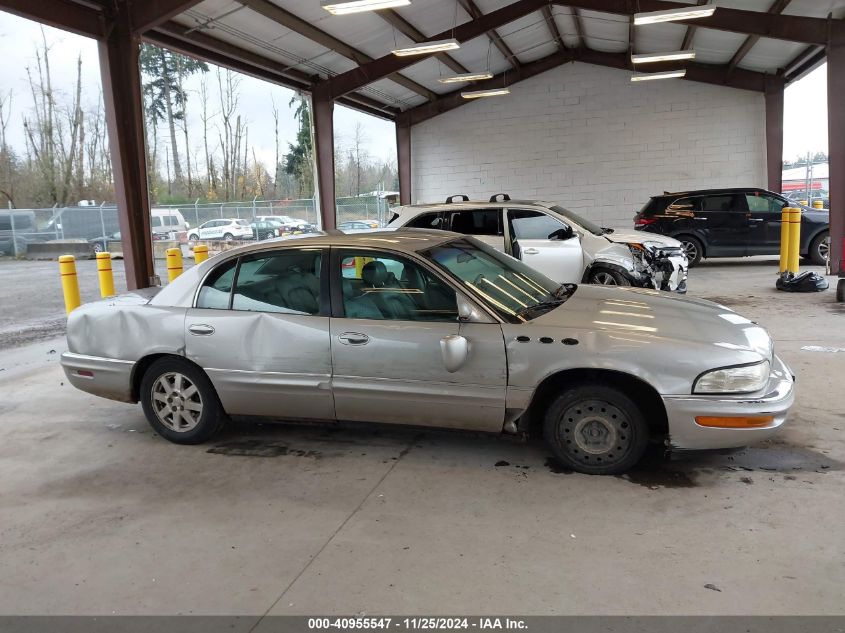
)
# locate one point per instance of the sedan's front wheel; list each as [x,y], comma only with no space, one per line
[179,402]
[608,277]
[596,430]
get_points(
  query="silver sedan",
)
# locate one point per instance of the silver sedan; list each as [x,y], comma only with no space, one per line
[436,329]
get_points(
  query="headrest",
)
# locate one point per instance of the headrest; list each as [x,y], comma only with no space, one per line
[374,273]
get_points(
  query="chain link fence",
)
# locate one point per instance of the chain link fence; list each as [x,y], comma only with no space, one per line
[99,224]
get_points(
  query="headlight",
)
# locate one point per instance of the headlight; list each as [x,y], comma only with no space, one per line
[745,379]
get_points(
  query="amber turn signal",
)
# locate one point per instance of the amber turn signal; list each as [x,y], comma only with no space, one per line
[739,422]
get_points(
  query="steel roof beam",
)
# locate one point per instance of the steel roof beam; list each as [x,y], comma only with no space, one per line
[308,30]
[555,32]
[379,68]
[794,28]
[687,43]
[415,35]
[62,14]
[173,35]
[150,13]
[751,40]
[475,13]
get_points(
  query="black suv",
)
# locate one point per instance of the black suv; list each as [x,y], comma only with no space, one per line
[732,223]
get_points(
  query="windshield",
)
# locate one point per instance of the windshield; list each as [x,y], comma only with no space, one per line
[577,219]
[515,291]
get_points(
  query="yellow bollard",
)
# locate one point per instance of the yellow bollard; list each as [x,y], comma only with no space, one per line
[794,240]
[785,215]
[104,272]
[804,202]
[200,253]
[174,263]
[70,284]
[818,204]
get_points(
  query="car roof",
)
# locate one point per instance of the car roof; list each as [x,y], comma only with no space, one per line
[402,239]
[705,192]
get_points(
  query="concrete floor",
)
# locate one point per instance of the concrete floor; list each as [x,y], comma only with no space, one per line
[98,515]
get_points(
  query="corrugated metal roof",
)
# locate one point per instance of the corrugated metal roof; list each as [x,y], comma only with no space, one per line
[529,38]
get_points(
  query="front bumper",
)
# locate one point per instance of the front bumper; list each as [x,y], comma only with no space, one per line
[686,434]
[104,377]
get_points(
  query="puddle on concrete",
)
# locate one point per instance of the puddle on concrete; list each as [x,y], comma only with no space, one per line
[260,448]
[684,470]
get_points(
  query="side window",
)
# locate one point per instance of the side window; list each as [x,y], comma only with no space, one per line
[217,289]
[759,202]
[383,286]
[286,282]
[532,225]
[721,204]
[478,222]
[427,221]
[170,220]
[685,207]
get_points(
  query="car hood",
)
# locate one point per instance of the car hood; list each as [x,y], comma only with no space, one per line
[637,237]
[660,316]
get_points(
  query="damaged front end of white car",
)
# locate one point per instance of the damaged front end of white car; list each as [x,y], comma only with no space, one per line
[649,264]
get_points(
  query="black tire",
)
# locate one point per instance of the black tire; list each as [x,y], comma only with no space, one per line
[819,248]
[840,291]
[228,237]
[98,247]
[210,418]
[269,236]
[193,237]
[693,248]
[596,430]
[608,277]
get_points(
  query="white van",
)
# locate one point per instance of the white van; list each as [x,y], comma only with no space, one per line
[166,221]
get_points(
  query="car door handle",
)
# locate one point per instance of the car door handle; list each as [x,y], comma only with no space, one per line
[756,220]
[354,338]
[531,251]
[201,329]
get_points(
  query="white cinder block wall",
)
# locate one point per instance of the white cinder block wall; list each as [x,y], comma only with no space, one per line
[587,138]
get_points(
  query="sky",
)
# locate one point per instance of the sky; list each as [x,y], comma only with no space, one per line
[805,107]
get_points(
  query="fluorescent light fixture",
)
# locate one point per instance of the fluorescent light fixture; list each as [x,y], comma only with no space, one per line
[647,58]
[342,7]
[465,77]
[424,48]
[670,15]
[493,92]
[672,74]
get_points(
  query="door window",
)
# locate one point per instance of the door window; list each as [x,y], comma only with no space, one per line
[287,282]
[477,222]
[217,289]
[759,202]
[685,207]
[721,204]
[427,221]
[388,287]
[533,225]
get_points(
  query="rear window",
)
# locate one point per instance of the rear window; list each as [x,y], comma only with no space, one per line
[427,221]
[479,222]
[242,222]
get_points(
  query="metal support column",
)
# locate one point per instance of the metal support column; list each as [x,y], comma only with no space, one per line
[323,107]
[774,133]
[403,158]
[836,144]
[121,78]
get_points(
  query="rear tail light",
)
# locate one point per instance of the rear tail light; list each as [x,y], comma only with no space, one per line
[644,221]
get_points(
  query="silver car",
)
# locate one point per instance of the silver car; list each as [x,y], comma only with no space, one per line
[431,328]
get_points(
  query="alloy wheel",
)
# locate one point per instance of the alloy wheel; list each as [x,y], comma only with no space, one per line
[604,278]
[824,249]
[690,250]
[177,402]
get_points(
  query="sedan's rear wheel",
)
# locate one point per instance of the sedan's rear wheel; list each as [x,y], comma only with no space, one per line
[179,402]
[820,249]
[596,430]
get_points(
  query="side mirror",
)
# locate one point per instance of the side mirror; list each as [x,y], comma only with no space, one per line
[563,233]
[454,350]
[469,312]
